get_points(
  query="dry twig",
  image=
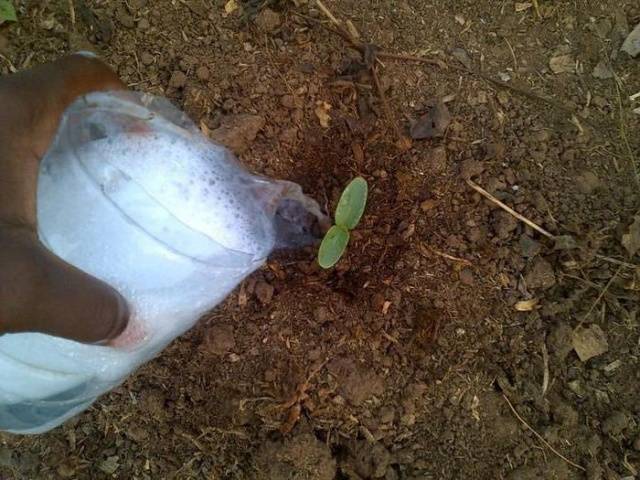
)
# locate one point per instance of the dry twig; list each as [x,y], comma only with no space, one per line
[72,14]
[602,294]
[402,141]
[545,366]
[547,444]
[508,209]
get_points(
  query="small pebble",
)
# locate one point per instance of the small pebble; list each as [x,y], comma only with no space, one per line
[202,73]
[178,80]
[466,276]
[146,58]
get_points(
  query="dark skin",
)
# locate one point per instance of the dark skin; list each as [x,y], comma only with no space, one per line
[38,291]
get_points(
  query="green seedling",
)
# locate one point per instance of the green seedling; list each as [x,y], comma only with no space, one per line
[348,214]
[7,12]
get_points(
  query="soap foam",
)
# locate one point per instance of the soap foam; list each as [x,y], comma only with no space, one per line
[183,175]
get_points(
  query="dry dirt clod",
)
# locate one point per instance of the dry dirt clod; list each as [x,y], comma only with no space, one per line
[631,239]
[562,64]
[504,224]
[264,292]
[202,73]
[529,248]
[357,383]
[290,101]
[433,124]
[302,456]
[588,182]
[146,58]
[428,205]
[632,43]
[125,19]
[463,57]
[178,79]
[466,276]
[471,168]
[237,132]
[589,342]
[541,275]
[615,424]
[220,340]
[560,341]
[268,21]
[603,70]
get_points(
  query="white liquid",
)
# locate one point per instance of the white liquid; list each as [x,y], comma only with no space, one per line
[165,220]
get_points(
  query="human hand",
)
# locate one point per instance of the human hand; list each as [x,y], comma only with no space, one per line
[38,291]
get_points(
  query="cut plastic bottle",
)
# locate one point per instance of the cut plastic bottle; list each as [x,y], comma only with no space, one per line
[132,193]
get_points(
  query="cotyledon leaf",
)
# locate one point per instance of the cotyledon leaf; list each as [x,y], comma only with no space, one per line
[333,246]
[7,12]
[352,203]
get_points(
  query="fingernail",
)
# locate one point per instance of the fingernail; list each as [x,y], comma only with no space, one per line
[86,53]
[122,316]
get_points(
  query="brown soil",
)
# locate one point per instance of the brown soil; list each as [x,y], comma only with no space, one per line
[398,363]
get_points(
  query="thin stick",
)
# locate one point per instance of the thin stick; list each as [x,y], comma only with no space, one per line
[72,14]
[385,104]
[328,13]
[508,209]
[617,262]
[602,294]
[545,366]
[513,54]
[376,80]
[449,257]
[537,8]
[412,58]
[540,437]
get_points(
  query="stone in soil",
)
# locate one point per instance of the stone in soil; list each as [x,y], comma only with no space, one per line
[615,424]
[178,79]
[504,224]
[220,340]
[540,275]
[471,168]
[589,342]
[357,383]
[299,457]
[237,132]
[268,21]
[202,73]
[588,182]
[264,291]
[466,276]
[529,248]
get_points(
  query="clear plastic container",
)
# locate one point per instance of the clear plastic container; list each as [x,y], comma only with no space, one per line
[132,193]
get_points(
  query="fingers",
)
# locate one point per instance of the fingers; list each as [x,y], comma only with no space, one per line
[38,291]
[43,93]
[41,293]
[32,103]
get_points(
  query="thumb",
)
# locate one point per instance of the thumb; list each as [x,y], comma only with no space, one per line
[41,293]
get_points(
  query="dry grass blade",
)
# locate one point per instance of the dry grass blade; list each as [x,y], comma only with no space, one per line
[508,209]
[602,294]
[72,14]
[617,262]
[327,13]
[545,366]
[536,6]
[539,437]
[403,142]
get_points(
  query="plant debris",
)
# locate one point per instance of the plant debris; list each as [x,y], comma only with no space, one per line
[589,342]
